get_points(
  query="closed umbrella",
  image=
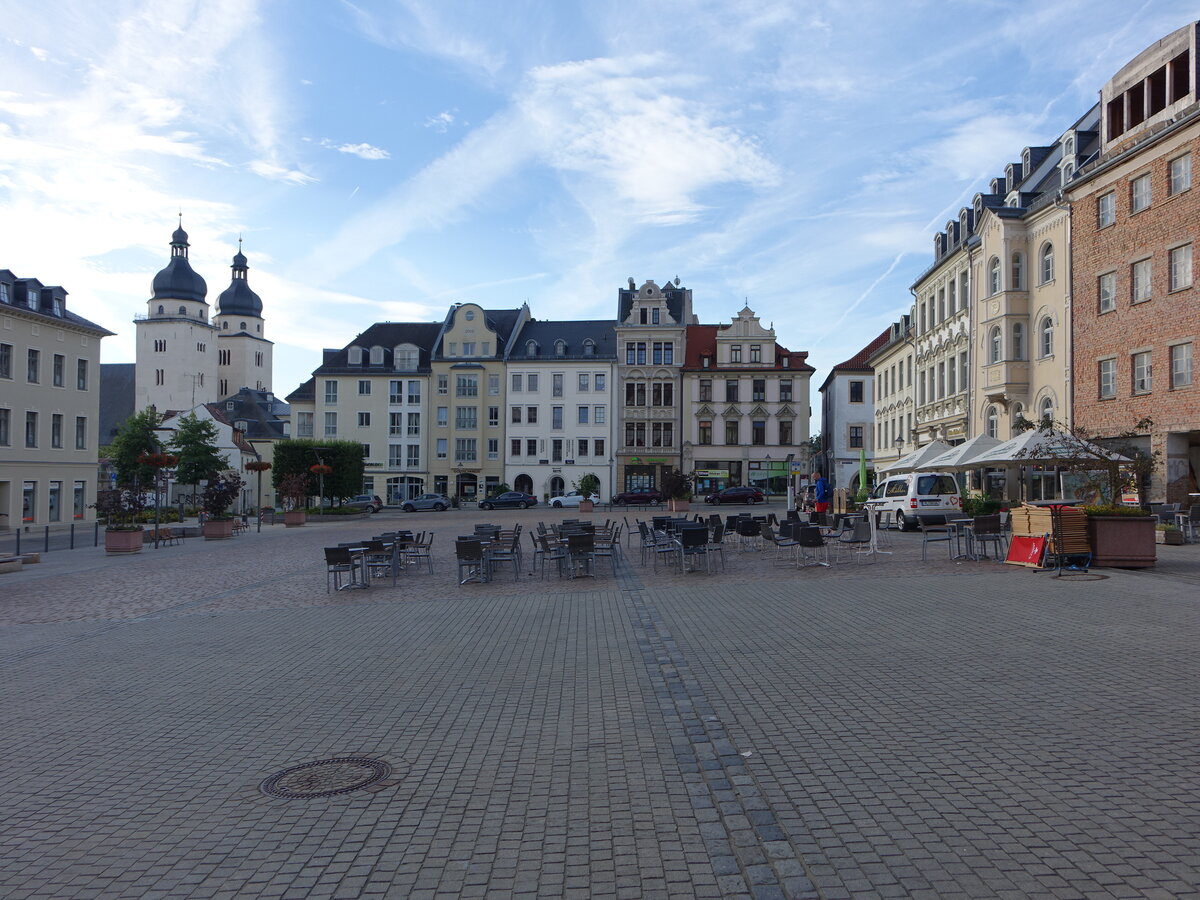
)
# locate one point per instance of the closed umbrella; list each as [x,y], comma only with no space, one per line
[862,471]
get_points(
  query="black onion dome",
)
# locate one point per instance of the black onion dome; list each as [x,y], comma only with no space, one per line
[178,281]
[238,299]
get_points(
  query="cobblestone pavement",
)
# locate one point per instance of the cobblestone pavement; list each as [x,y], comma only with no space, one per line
[896,729]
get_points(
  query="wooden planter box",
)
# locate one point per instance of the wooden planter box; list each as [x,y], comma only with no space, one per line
[123,541]
[587,506]
[294,518]
[679,505]
[1122,542]
[1174,538]
[218,529]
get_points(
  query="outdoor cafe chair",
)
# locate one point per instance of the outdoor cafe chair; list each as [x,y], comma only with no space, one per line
[692,540]
[936,529]
[857,540]
[549,552]
[505,550]
[987,530]
[1190,525]
[664,547]
[581,553]
[608,546]
[471,560]
[339,562]
[383,559]
[749,532]
[781,544]
[809,537]
[420,549]
[716,544]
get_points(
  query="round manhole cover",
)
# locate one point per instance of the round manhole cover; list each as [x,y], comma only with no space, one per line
[326,777]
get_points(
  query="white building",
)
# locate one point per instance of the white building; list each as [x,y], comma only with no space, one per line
[848,416]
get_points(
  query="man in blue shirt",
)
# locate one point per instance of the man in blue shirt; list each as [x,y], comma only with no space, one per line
[822,492]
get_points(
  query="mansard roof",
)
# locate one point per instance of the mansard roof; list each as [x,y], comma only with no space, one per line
[573,334]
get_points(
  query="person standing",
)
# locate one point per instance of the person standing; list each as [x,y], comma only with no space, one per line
[822,492]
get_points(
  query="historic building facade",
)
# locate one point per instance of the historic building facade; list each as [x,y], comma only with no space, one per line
[49,406]
[848,416]
[893,365]
[745,405]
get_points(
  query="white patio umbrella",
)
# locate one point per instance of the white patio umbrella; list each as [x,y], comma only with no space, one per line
[1038,447]
[913,460]
[961,456]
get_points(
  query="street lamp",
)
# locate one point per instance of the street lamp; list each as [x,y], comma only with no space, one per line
[259,466]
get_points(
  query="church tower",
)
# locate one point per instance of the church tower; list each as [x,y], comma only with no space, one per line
[176,343]
[244,353]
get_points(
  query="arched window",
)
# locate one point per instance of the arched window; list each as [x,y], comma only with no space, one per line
[405,357]
[354,356]
[993,422]
[994,276]
[1046,337]
[994,345]
[160,309]
[589,347]
[183,310]
[531,348]
[1018,412]
[377,355]
[560,348]
[1018,341]
[557,487]
[1018,271]
[1047,410]
[224,326]
[1046,263]
[243,326]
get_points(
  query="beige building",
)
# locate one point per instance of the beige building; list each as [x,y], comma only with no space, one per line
[745,406]
[895,402]
[49,406]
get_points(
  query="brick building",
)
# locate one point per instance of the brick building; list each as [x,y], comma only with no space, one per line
[1135,220]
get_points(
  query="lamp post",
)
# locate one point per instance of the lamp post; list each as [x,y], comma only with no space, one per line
[259,466]
[791,484]
[159,462]
[320,470]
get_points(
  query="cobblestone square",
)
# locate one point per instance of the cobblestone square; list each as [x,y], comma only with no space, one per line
[886,729]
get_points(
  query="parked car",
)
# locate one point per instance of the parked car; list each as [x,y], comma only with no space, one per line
[736,495]
[440,502]
[365,501]
[570,499]
[933,493]
[509,499]
[639,497]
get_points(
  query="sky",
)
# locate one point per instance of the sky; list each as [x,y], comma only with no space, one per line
[383,159]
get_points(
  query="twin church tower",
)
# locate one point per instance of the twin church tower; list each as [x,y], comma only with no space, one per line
[184,358]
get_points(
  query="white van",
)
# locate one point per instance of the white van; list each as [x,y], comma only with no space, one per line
[917,492]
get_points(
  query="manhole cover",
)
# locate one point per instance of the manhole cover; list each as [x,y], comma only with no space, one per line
[326,777]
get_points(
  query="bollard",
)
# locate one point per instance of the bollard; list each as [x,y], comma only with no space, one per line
[96,534]
[72,545]
[18,550]
[46,543]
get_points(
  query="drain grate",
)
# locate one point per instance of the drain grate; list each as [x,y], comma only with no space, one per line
[326,777]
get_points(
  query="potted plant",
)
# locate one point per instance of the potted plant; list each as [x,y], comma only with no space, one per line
[120,508]
[1167,533]
[588,487]
[677,488]
[218,497]
[1121,537]
[293,491]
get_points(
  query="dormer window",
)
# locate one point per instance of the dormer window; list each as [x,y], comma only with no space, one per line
[531,348]
[240,424]
[589,347]
[57,306]
[560,348]
[354,356]
[469,315]
[377,355]
[229,404]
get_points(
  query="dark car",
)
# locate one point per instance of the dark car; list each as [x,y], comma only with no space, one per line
[639,497]
[439,502]
[366,501]
[736,495]
[508,499]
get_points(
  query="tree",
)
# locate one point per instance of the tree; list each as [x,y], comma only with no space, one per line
[676,485]
[345,458]
[135,438]
[195,442]
[1106,466]
[588,486]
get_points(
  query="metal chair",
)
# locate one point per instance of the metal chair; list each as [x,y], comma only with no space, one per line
[338,562]
[1191,525]
[692,541]
[781,544]
[581,549]
[505,550]
[608,546]
[383,559]
[936,529]
[749,533]
[663,546]
[472,560]
[988,530]
[548,552]
[809,537]
[857,540]
[716,544]
[421,549]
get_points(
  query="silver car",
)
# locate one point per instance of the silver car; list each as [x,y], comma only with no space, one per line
[570,499]
[439,502]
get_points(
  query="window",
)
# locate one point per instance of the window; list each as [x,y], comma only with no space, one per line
[1046,411]
[531,446]
[81,432]
[735,353]
[1018,341]
[556,418]
[583,414]
[994,276]
[33,364]
[364,387]
[655,316]
[1180,276]
[856,437]
[664,353]
[395,423]
[466,418]
[466,386]
[443,416]
[531,415]
[493,416]
[857,392]
[758,389]
[531,383]
[514,447]
[1181,366]
[663,394]
[556,384]
[330,424]
[556,450]
[331,391]
[705,432]
[443,384]
[992,420]
[441,448]
[57,368]
[785,390]
[6,360]
[364,420]
[1106,209]
[785,432]
[493,385]
[758,432]
[468,348]
[395,455]
[755,353]
[706,389]
[599,381]
[31,429]
[80,498]
[1179,175]
[662,434]
[1046,264]
[5,427]
[304,424]
[583,381]
[635,353]
[516,382]
[941,304]
[56,431]
[598,416]
[493,446]
[1018,275]
[1141,372]
[1106,291]
[465,450]
[1046,337]
[515,415]
[413,428]
[598,447]
[1107,377]
[732,432]
[1139,193]
[731,390]
[635,434]
[1139,281]
[453,348]
[412,456]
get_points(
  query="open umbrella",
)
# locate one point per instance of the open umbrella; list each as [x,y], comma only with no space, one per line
[961,456]
[913,460]
[1044,447]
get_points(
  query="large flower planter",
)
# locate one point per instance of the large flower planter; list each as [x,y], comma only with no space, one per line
[294,518]
[586,506]
[1122,542]
[217,529]
[123,541]
[679,505]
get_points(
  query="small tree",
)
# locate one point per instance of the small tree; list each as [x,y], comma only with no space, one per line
[135,440]
[195,441]
[220,494]
[120,507]
[676,485]
[588,486]
[1106,465]
[293,489]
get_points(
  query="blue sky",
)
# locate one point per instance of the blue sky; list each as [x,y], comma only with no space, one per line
[386,159]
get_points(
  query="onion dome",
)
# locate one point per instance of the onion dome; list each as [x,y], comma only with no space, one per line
[238,299]
[178,281]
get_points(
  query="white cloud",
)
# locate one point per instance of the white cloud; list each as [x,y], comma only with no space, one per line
[427,29]
[441,121]
[279,173]
[363,151]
